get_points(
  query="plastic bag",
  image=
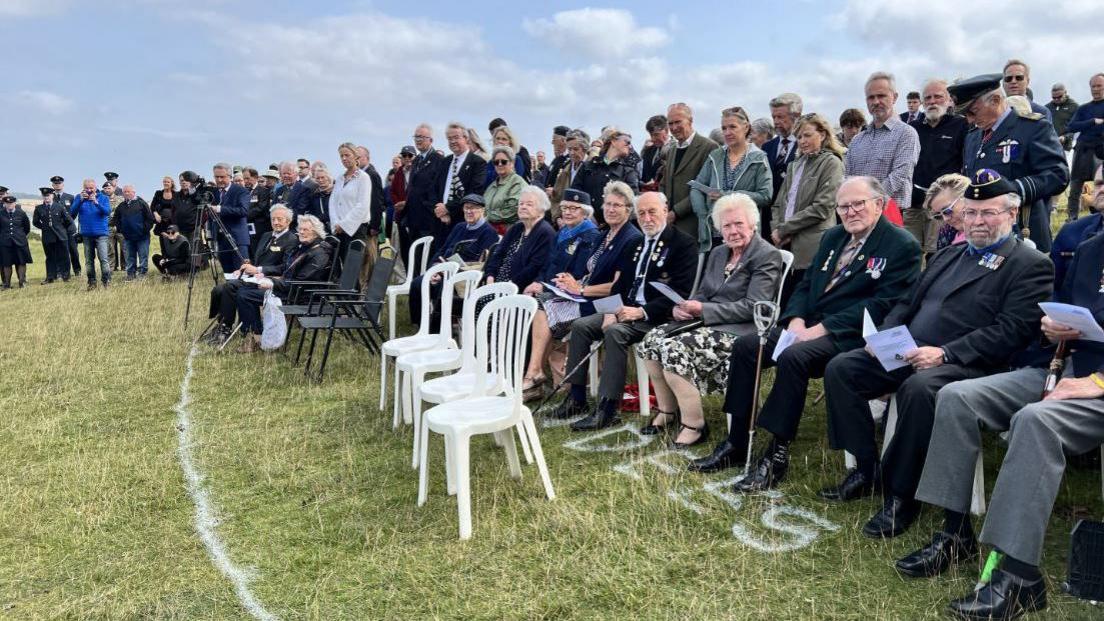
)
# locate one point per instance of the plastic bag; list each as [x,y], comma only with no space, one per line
[275,326]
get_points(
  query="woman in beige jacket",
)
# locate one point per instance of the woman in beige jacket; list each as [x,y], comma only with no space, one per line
[805,205]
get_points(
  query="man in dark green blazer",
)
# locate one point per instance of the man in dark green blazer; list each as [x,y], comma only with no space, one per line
[684,161]
[866,263]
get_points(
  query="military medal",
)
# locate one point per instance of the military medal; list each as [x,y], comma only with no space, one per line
[828,261]
[662,258]
[991,261]
[875,266]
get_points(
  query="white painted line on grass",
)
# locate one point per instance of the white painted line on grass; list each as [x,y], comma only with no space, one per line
[205,521]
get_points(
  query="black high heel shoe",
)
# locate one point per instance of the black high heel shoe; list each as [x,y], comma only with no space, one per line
[703,435]
[652,429]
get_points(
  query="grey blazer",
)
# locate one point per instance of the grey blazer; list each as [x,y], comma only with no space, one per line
[727,304]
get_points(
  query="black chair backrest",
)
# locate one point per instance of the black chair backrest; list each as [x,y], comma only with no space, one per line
[350,270]
[376,291]
[334,244]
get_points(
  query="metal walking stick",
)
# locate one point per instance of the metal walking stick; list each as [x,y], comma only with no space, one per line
[765,316]
[567,376]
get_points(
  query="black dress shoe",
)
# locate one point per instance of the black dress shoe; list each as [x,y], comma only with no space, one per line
[768,473]
[937,557]
[1006,597]
[605,415]
[725,455]
[652,429]
[895,517]
[569,408]
[47,281]
[703,435]
[857,484]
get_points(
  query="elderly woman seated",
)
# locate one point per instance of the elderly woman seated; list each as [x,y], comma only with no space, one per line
[523,251]
[688,357]
[310,261]
[467,240]
[584,264]
[944,200]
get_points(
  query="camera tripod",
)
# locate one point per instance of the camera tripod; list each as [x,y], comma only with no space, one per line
[201,250]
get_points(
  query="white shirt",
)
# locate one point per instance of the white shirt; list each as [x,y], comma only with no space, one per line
[457,164]
[351,201]
[642,262]
[683,145]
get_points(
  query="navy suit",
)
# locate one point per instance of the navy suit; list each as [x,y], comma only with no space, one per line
[234,212]
[1069,241]
[1024,150]
[472,181]
[778,171]
[416,218]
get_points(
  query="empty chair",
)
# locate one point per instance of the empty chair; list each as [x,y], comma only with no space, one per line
[502,331]
[423,339]
[418,250]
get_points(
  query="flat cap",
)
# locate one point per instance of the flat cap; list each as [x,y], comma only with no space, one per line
[474,199]
[572,195]
[968,90]
[987,183]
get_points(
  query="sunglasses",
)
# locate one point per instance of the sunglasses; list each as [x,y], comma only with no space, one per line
[1014,78]
[501,162]
[948,210]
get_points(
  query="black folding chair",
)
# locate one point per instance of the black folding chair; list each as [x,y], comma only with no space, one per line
[347,282]
[352,314]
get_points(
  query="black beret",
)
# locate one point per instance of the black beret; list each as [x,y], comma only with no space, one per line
[966,91]
[576,196]
[560,130]
[57,179]
[111,176]
[474,199]
[46,191]
[987,183]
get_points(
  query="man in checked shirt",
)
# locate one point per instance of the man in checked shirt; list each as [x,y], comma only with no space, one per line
[888,148]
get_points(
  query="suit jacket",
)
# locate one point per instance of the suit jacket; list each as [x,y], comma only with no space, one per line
[271,256]
[728,303]
[778,170]
[54,222]
[260,201]
[1026,151]
[529,258]
[904,116]
[1069,241]
[675,181]
[841,308]
[14,228]
[421,194]
[378,203]
[1082,288]
[653,158]
[472,176]
[234,214]
[673,261]
[994,313]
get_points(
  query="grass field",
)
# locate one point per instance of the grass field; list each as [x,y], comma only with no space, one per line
[315,498]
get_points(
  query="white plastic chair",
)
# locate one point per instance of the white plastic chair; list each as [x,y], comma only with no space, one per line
[424,338]
[412,367]
[502,330]
[403,288]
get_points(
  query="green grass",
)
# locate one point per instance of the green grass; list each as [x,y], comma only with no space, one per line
[315,494]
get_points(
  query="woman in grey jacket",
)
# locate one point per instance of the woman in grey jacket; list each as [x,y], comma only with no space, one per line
[688,357]
[737,167]
[806,203]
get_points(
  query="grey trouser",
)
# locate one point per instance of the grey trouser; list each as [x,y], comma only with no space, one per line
[1041,433]
[923,226]
[617,339]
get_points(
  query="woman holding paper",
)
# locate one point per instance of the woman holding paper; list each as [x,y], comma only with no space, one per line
[737,167]
[589,274]
[688,357]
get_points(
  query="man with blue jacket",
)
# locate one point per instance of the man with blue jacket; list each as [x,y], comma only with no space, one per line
[232,206]
[93,208]
[133,220]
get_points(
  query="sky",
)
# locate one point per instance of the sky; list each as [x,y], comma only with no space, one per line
[147,88]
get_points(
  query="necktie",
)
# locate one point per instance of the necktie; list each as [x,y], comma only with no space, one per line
[222,195]
[986,135]
[641,269]
[454,186]
[844,260]
[783,148]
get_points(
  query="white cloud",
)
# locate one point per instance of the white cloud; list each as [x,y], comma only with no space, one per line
[44,101]
[596,33]
[32,8]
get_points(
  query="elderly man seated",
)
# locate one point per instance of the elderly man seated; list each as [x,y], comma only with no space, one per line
[972,310]
[864,263]
[270,256]
[665,255]
[468,239]
[1067,421]
[309,261]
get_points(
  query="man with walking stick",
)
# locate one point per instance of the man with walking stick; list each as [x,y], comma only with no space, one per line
[864,263]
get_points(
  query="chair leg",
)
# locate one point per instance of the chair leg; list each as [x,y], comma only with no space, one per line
[507,437]
[849,461]
[891,423]
[395,397]
[407,387]
[325,354]
[299,349]
[977,500]
[414,408]
[391,316]
[423,466]
[538,454]
[642,385]
[310,353]
[461,468]
[523,437]
[450,463]
[593,373]
[383,381]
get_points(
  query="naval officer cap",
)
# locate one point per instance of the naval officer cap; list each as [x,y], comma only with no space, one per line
[9,199]
[3,190]
[474,199]
[572,195]
[57,179]
[965,92]
[46,191]
[111,176]
[987,183]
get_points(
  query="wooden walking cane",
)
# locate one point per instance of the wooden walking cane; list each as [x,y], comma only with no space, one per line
[1057,365]
[765,316]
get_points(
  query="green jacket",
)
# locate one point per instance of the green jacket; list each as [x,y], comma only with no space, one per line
[814,207]
[502,199]
[889,251]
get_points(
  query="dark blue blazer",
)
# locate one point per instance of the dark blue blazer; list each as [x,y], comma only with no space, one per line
[571,256]
[421,196]
[1069,240]
[606,267]
[770,147]
[234,214]
[479,240]
[530,257]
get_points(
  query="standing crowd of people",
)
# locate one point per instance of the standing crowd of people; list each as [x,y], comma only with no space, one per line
[936,219]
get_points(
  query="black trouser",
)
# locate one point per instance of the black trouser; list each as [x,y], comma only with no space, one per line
[415,301]
[854,378]
[407,237]
[57,259]
[74,255]
[223,303]
[344,240]
[781,412]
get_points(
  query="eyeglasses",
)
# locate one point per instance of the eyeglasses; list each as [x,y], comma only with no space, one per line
[570,207]
[614,205]
[410,155]
[855,206]
[948,210]
[987,214]
[472,207]
[501,162]
[416,138]
[1015,78]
